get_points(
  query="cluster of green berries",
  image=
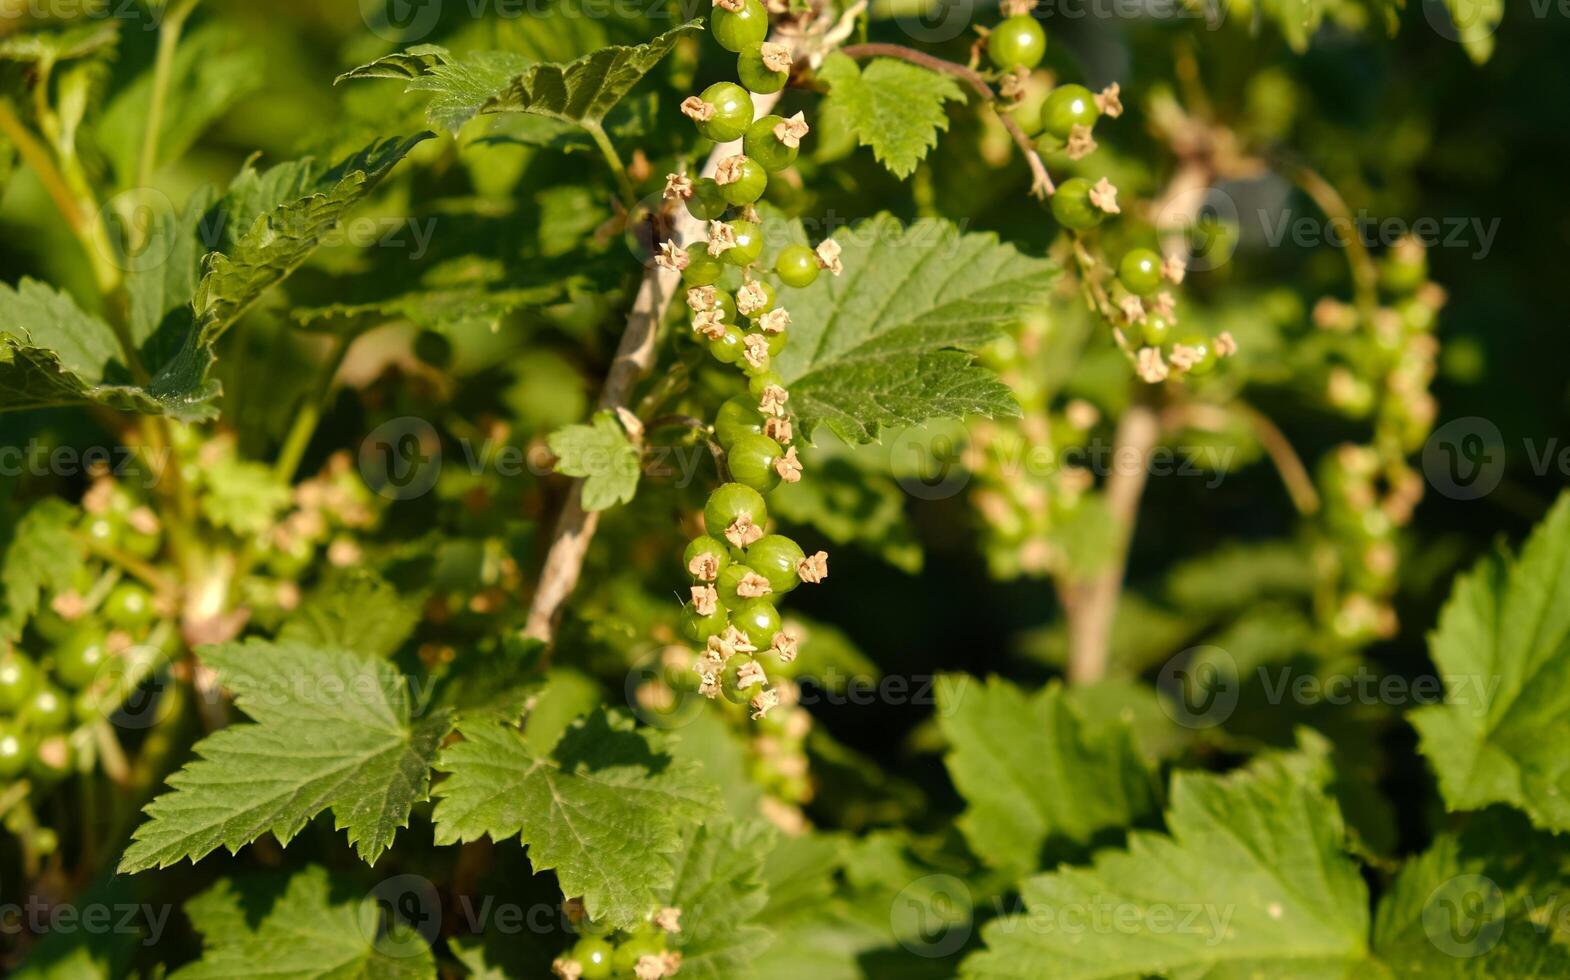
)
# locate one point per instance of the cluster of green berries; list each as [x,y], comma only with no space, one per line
[1149,316]
[740,570]
[1387,361]
[643,952]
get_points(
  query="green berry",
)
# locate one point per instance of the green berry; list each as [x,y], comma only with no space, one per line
[16,750]
[739,30]
[758,620]
[699,628]
[18,679]
[707,202]
[776,557]
[129,606]
[78,658]
[727,306]
[46,710]
[104,529]
[730,579]
[1207,355]
[749,185]
[1140,272]
[1072,206]
[706,544]
[1156,329]
[728,348]
[635,948]
[1018,42]
[702,269]
[736,418]
[594,955]
[750,368]
[1068,106]
[776,342]
[797,266]
[751,460]
[730,501]
[762,145]
[140,545]
[758,382]
[757,76]
[1404,269]
[749,244]
[732,111]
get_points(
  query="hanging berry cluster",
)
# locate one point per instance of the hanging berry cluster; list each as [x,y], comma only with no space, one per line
[740,570]
[642,952]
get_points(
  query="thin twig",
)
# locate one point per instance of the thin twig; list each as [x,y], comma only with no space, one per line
[1041,181]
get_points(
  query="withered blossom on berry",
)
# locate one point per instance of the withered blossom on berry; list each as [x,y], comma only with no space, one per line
[650,966]
[774,321]
[743,532]
[1173,268]
[704,567]
[734,6]
[1185,356]
[773,399]
[1149,365]
[750,675]
[1105,196]
[1165,304]
[1081,143]
[730,169]
[708,683]
[751,297]
[776,57]
[144,521]
[765,702]
[703,298]
[753,586]
[1013,8]
[779,429]
[1109,102]
[678,187]
[1011,87]
[814,568]
[1081,414]
[784,646]
[696,109]
[828,252]
[755,350]
[668,919]
[1226,344]
[567,969]
[722,238]
[1133,308]
[672,958]
[792,131]
[705,599]
[788,466]
[709,323]
[671,257]
[737,640]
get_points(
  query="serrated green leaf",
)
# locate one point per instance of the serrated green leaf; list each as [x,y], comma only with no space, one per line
[894,107]
[242,495]
[1501,650]
[720,891]
[312,927]
[1252,879]
[581,91]
[330,729]
[605,809]
[358,611]
[888,343]
[602,456]
[1040,780]
[41,556]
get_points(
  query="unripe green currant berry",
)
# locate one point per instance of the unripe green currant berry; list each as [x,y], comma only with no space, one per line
[1207,355]
[732,111]
[776,342]
[749,244]
[1068,106]
[1156,329]
[698,628]
[104,529]
[46,710]
[18,679]
[129,606]
[729,502]
[139,544]
[707,202]
[736,418]
[758,621]
[595,956]
[728,348]
[1072,206]
[1140,272]
[776,557]
[730,582]
[1018,42]
[78,658]
[16,750]
[727,306]
[706,544]
[739,30]
[751,460]
[757,76]
[758,382]
[749,185]
[762,145]
[1404,269]
[797,266]
[702,269]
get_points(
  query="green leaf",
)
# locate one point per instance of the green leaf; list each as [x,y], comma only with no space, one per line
[888,343]
[313,927]
[605,809]
[1040,780]
[1475,22]
[1502,648]
[242,495]
[603,456]
[330,729]
[895,107]
[41,556]
[358,611]
[581,91]
[720,891]
[273,221]
[1252,879]
[51,47]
